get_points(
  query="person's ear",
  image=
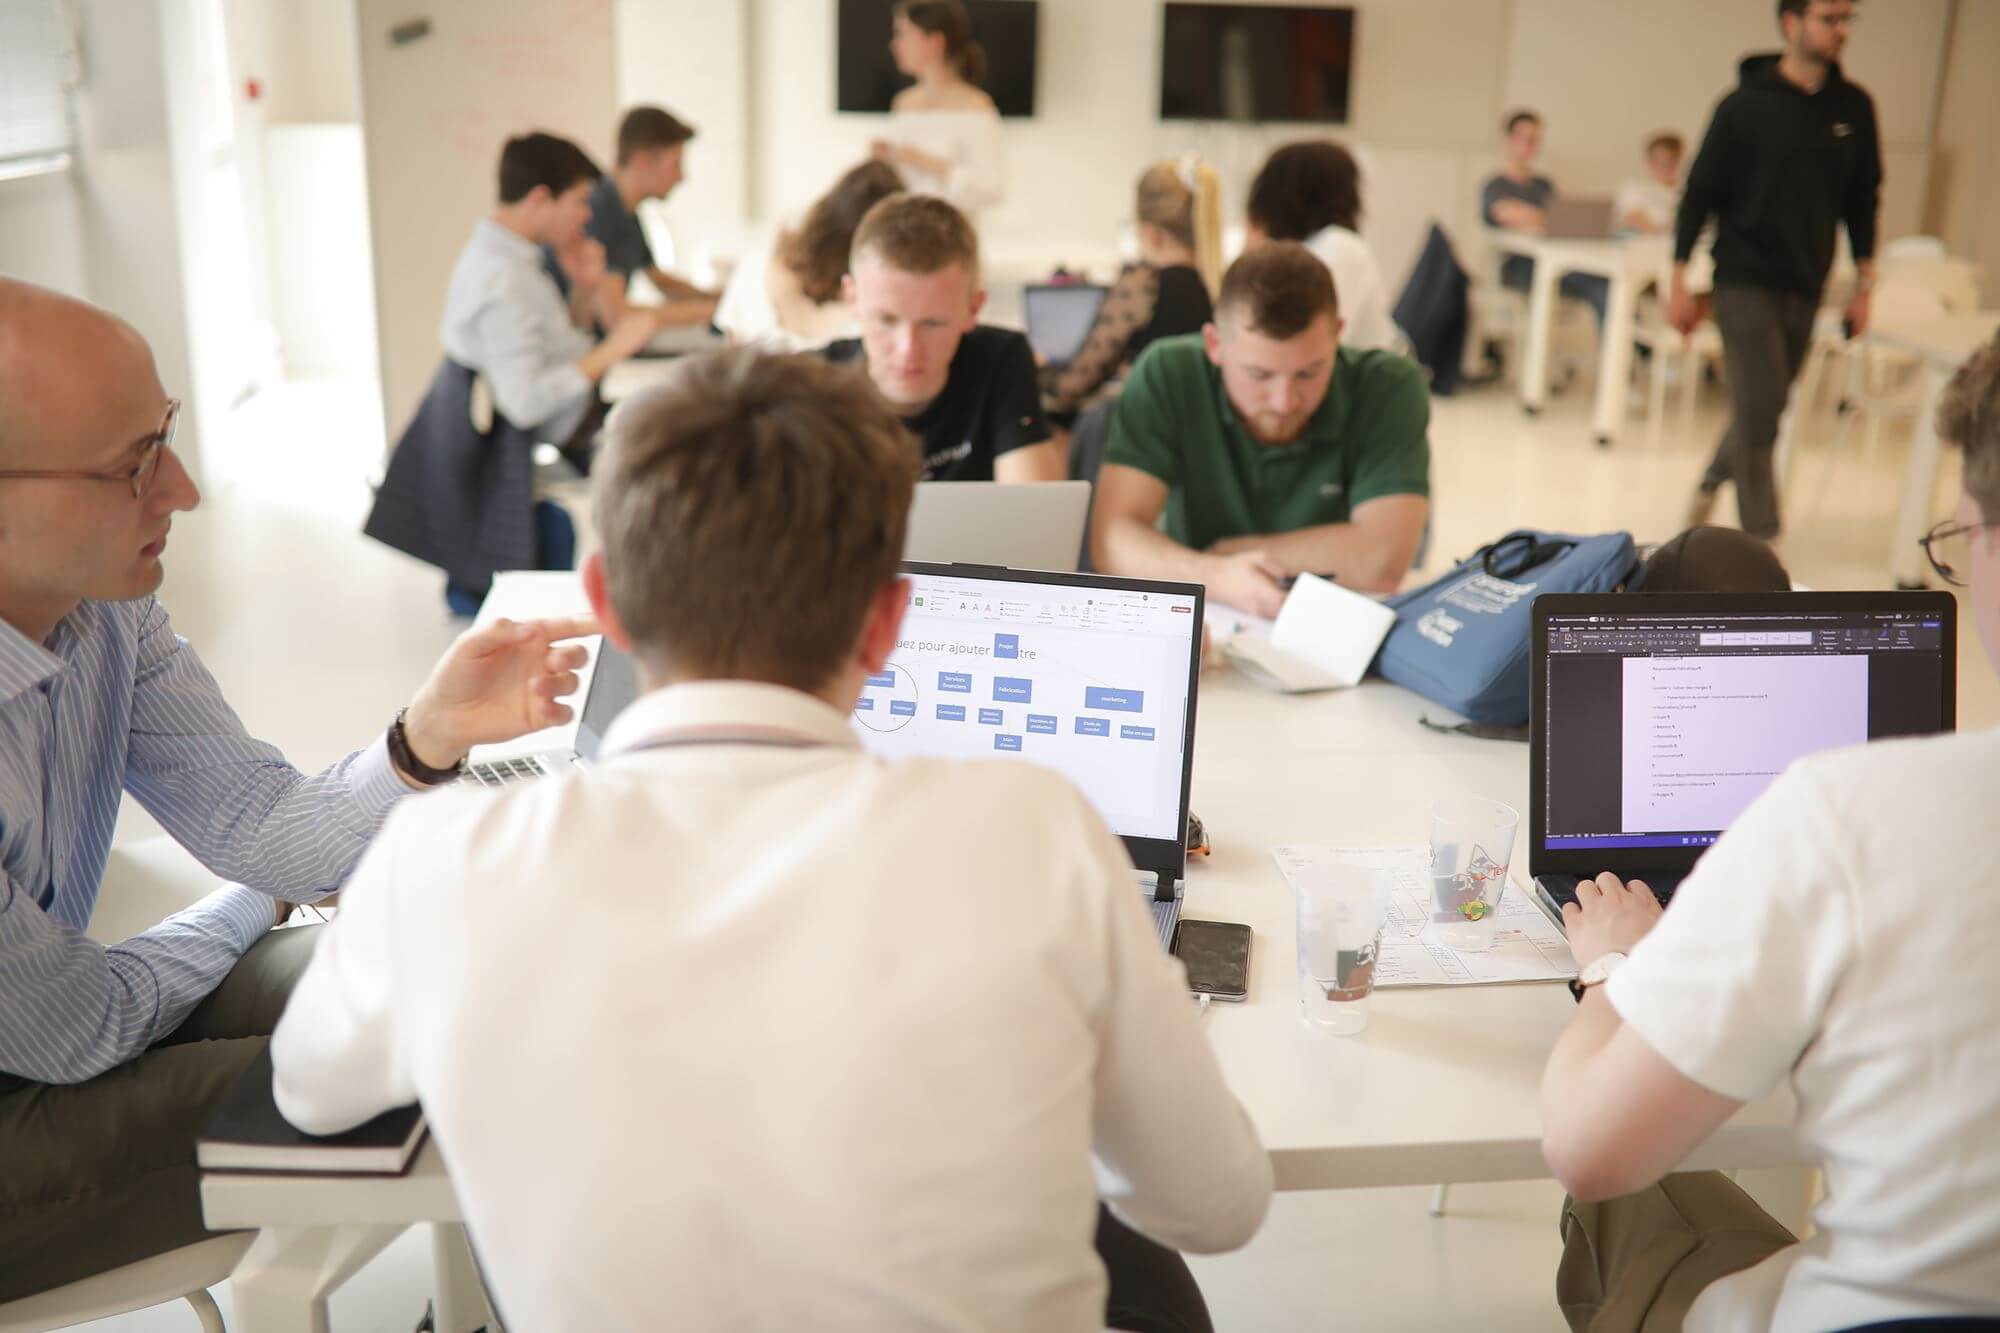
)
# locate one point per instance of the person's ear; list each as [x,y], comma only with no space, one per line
[1211,342]
[883,626]
[847,288]
[596,587]
[978,304]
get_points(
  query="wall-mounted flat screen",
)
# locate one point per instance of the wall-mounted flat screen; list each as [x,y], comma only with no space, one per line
[866,77]
[1256,62]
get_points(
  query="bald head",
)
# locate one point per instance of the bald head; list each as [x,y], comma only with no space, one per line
[72,377]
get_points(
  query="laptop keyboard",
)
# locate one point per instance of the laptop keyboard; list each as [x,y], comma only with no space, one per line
[503,771]
[1562,888]
[1166,915]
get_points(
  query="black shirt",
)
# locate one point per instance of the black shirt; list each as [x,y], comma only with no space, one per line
[1181,307]
[1779,169]
[990,404]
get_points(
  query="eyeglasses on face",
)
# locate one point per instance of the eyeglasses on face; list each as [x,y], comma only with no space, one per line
[1948,547]
[139,476]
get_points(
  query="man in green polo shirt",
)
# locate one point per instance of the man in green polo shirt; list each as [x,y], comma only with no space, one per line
[1272,450]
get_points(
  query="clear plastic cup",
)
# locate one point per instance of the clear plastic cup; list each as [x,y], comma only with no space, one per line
[1340,934]
[1471,843]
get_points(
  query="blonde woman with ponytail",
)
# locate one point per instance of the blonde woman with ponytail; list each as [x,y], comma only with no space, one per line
[944,131]
[1166,293]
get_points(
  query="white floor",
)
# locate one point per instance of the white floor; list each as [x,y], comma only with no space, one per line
[317,635]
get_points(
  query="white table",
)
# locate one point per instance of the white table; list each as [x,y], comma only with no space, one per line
[1442,1087]
[1942,345]
[1627,265]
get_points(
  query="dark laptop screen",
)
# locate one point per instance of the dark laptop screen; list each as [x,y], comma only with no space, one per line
[1659,728]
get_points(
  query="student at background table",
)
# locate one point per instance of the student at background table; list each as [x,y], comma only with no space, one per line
[944,132]
[1648,207]
[966,390]
[1516,199]
[1838,940]
[1269,448]
[787,296]
[652,153]
[1310,192]
[1165,294]
[818,1040]
[113,1057]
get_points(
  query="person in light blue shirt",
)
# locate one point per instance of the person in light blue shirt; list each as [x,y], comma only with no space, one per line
[112,1057]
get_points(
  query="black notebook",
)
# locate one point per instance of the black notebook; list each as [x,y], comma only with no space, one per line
[246,1133]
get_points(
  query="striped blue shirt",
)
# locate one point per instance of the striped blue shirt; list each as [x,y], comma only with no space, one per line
[115,701]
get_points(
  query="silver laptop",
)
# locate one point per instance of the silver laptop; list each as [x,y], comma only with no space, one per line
[1579,218]
[1032,525]
[614,683]
[1059,316]
[1092,676]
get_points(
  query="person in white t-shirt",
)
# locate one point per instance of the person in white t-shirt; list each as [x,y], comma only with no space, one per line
[944,131]
[743,1027]
[1839,938]
[1649,207]
[1310,192]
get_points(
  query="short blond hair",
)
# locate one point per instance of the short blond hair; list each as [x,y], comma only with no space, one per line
[751,506]
[916,233]
[1968,416]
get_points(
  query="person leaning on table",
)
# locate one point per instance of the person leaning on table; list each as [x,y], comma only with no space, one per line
[791,1068]
[111,1058]
[1261,448]
[1840,938]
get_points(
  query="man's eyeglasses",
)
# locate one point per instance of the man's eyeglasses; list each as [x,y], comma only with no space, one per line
[139,476]
[1948,547]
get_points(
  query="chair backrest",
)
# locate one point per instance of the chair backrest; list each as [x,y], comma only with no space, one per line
[164,1278]
[1913,247]
[1900,302]
[1955,281]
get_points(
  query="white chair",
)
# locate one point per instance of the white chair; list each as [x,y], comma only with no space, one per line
[185,1274]
[1912,247]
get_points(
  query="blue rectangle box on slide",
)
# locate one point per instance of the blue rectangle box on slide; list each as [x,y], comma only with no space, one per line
[1005,741]
[1007,645]
[1135,733]
[1092,726]
[902,708]
[1115,701]
[1013,689]
[955,682]
[989,717]
[1041,724]
[951,712]
[864,705]
[885,680]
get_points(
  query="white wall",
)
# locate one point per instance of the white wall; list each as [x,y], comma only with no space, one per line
[1964,206]
[704,83]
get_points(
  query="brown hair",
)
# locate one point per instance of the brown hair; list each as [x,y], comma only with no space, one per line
[1968,416]
[917,233]
[1281,288]
[818,250]
[947,17]
[648,127]
[1666,139]
[1305,187]
[1190,213]
[751,506]
[1515,119]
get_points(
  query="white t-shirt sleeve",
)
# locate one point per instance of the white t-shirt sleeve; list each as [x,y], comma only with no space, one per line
[1732,985]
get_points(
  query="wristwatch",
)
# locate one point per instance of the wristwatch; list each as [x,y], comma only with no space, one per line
[1595,973]
[406,759]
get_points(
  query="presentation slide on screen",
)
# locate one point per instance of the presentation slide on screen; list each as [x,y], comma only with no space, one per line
[1704,736]
[1105,706]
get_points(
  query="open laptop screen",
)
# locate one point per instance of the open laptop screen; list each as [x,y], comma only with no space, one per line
[1059,316]
[1091,676]
[1660,721]
[614,683]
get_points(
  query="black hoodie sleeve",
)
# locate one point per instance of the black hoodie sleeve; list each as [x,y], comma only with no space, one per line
[1709,179]
[1864,188]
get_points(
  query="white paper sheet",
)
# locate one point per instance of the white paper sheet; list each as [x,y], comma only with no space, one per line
[1323,639]
[1526,947]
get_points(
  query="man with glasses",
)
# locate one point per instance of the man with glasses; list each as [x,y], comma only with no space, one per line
[111,1058]
[1789,156]
[1840,938]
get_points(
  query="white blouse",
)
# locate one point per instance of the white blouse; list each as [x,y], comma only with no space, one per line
[1357,284]
[969,139]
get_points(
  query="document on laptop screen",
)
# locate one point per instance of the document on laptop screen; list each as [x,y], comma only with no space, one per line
[1092,682]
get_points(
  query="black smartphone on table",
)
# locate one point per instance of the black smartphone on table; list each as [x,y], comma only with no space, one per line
[1216,955]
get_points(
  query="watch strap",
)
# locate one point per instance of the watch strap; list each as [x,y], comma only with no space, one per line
[406,759]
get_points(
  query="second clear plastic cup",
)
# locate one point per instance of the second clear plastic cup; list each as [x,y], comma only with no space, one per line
[1471,843]
[1340,934]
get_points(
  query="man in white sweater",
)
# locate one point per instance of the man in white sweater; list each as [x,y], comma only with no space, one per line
[744,1027]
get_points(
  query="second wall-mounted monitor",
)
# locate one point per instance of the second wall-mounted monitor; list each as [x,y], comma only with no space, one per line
[1256,62]
[866,77]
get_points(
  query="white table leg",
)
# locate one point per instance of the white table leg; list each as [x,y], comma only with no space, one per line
[1906,560]
[461,1297]
[282,1284]
[1541,323]
[1614,355]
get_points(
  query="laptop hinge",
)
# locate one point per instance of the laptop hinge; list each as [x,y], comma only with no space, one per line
[1161,888]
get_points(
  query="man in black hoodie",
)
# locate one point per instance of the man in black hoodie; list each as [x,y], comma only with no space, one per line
[1789,155]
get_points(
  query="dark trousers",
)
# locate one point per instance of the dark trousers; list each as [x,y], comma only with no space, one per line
[1765,336]
[101,1174]
[1594,289]
[1152,1290]
[555,544]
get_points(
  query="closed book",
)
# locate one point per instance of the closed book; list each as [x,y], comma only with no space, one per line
[247,1133]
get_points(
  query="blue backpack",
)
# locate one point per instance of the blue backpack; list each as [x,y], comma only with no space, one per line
[1462,640]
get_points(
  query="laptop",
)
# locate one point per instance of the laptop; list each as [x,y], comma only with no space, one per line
[1059,316]
[1582,218]
[1029,526]
[1089,675]
[614,683]
[1656,719]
